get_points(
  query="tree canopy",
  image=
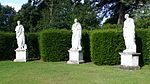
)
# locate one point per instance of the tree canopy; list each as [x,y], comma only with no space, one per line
[116,9]
[37,15]
[6,18]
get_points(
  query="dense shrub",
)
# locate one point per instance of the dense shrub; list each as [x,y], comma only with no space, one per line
[105,45]
[85,43]
[54,44]
[8,44]
[143,45]
[143,23]
[33,45]
[111,26]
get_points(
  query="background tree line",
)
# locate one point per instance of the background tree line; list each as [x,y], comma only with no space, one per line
[37,15]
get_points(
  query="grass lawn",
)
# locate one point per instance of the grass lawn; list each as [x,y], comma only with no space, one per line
[37,72]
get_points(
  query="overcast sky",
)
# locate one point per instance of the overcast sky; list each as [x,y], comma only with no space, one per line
[14,3]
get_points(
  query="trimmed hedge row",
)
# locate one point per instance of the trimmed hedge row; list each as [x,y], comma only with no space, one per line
[143,45]
[54,45]
[85,43]
[106,45]
[32,41]
[8,44]
[103,45]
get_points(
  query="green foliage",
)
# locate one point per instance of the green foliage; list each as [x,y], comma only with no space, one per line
[111,26]
[54,45]
[6,18]
[142,16]
[117,8]
[143,23]
[33,45]
[29,16]
[85,13]
[8,44]
[61,14]
[143,45]
[85,43]
[105,46]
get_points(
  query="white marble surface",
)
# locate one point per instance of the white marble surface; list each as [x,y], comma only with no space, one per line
[129,34]
[75,57]
[20,36]
[76,35]
[21,56]
[129,59]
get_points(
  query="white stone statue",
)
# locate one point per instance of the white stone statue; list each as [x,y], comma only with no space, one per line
[76,36]
[129,34]
[20,37]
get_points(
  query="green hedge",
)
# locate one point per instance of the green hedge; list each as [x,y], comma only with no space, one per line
[106,45]
[33,45]
[85,43]
[8,44]
[54,45]
[99,46]
[143,45]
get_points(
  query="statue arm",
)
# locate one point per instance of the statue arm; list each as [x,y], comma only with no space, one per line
[20,31]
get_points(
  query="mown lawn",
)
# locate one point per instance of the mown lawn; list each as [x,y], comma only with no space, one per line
[37,72]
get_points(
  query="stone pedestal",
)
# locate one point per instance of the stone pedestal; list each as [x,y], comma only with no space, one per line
[21,56]
[129,60]
[75,57]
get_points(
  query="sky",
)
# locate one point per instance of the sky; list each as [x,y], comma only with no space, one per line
[16,4]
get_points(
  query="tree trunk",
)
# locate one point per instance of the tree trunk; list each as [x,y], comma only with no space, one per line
[121,14]
[50,5]
[51,11]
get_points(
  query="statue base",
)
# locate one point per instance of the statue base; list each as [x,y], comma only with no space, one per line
[21,56]
[75,57]
[130,61]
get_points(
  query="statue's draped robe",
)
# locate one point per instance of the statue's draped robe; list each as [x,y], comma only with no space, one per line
[76,36]
[20,36]
[129,35]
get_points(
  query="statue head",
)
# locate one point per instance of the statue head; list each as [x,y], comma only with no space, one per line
[75,20]
[126,16]
[18,22]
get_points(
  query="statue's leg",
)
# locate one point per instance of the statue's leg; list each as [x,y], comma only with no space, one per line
[79,44]
[127,42]
[133,46]
[23,41]
[19,42]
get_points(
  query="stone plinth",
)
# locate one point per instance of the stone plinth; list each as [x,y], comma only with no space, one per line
[129,61]
[75,57]
[21,56]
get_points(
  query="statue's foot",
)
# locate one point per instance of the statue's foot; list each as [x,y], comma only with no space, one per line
[24,47]
[129,51]
[79,49]
[18,49]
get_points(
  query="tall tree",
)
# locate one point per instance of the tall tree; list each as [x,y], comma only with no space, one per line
[29,16]
[116,8]
[61,14]
[6,18]
[142,16]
